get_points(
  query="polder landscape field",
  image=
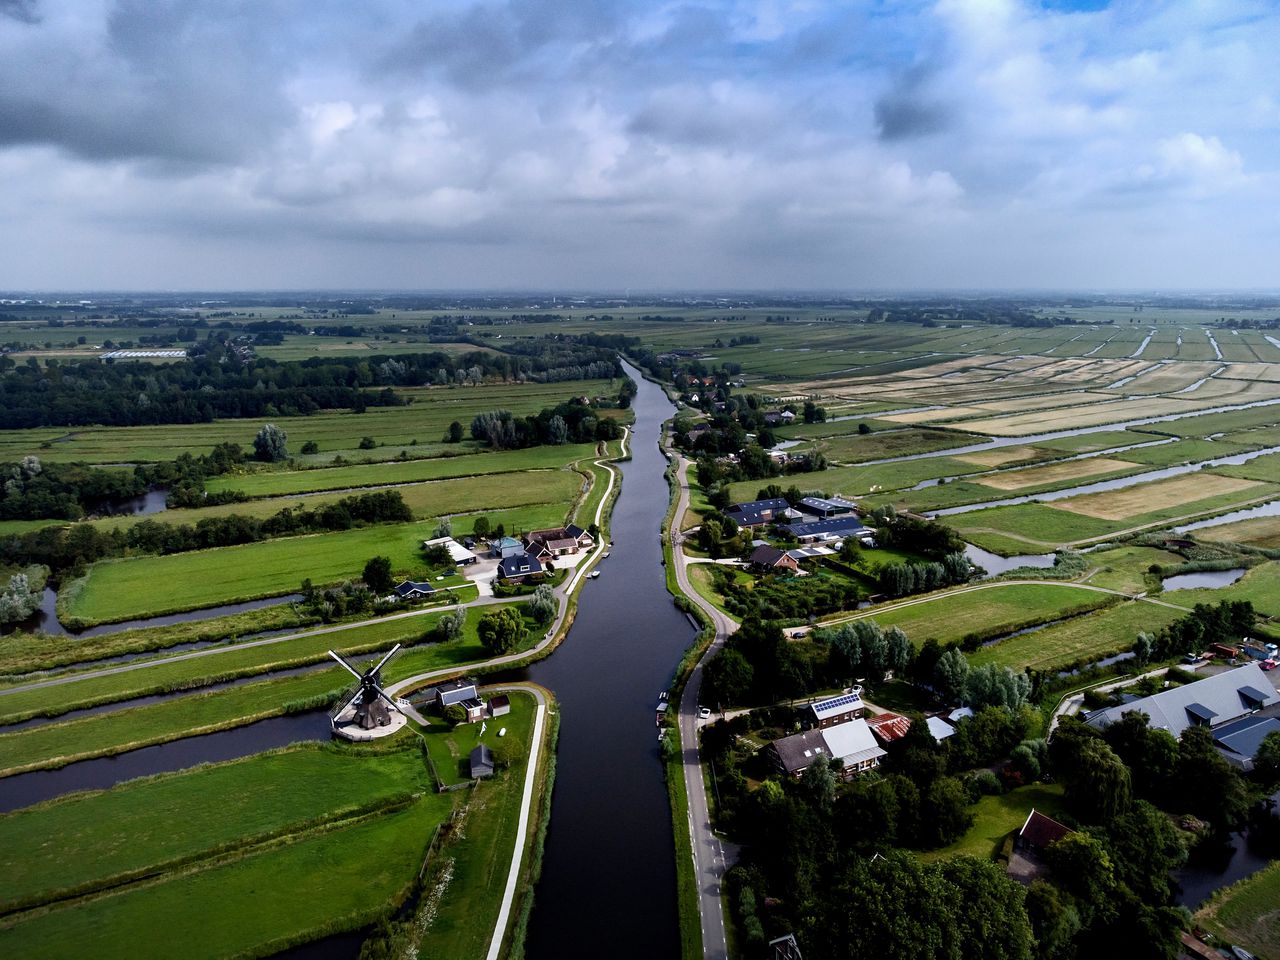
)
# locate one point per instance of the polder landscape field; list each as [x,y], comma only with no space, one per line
[1080,454]
[165,749]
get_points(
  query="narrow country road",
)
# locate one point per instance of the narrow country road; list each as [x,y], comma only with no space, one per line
[708,851]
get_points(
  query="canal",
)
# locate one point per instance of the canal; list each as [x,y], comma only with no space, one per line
[608,882]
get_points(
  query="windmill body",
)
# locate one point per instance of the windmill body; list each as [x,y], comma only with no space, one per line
[367,712]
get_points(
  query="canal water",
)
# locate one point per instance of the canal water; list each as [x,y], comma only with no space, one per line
[608,884]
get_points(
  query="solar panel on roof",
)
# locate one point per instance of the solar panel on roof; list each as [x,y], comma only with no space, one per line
[847,700]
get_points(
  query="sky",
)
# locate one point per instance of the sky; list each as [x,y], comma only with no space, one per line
[601,145]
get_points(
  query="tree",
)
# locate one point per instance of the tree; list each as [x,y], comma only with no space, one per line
[818,782]
[1211,789]
[501,631]
[444,527]
[951,675]
[1145,847]
[270,444]
[310,447]
[368,443]
[1266,763]
[543,605]
[557,431]
[452,624]
[1083,868]
[455,714]
[481,527]
[19,599]
[729,677]
[1099,789]
[455,433]
[1054,921]
[377,574]
[945,812]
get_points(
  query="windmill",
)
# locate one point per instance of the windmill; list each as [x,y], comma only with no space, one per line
[371,711]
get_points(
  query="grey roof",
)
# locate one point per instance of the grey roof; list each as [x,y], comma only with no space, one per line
[518,565]
[1244,737]
[767,556]
[800,749]
[825,505]
[456,692]
[481,761]
[839,526]
[1221,698]
[853,742]
[758,511]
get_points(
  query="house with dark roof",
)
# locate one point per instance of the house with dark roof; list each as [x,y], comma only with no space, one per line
[558,541]
[518,567]
[1027,861]
[836,528]
[499,705]
[481,762]
[767,559]
[413,590]
[792,755]
[453,691]
[850,742]
[1210,702]
[760,512]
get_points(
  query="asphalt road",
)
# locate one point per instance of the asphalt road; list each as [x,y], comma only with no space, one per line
[709,860]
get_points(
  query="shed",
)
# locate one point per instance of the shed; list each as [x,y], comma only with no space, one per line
[499,705]
[481,762]
[889,727]
[940,728]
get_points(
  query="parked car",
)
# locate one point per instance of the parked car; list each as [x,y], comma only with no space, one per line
[704,713]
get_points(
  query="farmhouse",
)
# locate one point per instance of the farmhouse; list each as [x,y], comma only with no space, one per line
[768,559]
[457,552]
[850,742]
[759,512]
[455,691]
[481,762]
[558,541]
[828,713]
[518,567]
[1038,832]
[1210,702]
[412,590]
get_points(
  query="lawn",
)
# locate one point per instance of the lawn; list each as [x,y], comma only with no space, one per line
[203,810]
[273,897]
[1248,913]
[149,586]
[995,817]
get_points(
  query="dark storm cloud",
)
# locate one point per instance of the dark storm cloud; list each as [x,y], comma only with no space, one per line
[171,81]
[907,111]
[24,11]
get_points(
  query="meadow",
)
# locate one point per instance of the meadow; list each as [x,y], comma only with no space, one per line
[1248,913]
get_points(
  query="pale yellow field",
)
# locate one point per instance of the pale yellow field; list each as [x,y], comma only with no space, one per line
[1033,476]
[1091,415]
[1133,501]
[932,416]
[1260,532]
[1048,402]
[1169,377]
[999,456]
[1252,371]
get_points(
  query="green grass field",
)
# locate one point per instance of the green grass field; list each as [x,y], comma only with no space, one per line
[424,420]
[1001,608]
[1248,913]
[1088,637]
[272,897]
[202,810]
[275,483]
[148,586]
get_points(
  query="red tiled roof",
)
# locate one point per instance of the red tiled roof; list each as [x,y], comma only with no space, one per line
[889,726]
[1040,831]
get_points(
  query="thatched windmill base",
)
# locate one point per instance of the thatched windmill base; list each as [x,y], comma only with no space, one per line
[345,726]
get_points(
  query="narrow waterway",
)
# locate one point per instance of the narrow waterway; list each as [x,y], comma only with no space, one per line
[608,884]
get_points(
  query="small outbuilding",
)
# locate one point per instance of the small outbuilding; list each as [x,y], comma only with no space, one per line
[499,705]
[481,762]
[413,590]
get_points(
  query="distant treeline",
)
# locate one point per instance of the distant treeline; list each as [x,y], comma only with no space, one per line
[64,547]
[216,382]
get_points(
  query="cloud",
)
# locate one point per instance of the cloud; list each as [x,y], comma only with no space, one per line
[612,143]
[24,11]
